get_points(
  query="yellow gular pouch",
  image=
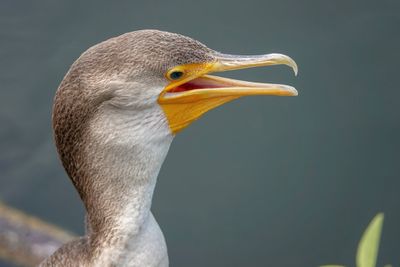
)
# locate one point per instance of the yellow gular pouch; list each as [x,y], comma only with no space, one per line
[191,92]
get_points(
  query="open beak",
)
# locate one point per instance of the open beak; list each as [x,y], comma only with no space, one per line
[186,99]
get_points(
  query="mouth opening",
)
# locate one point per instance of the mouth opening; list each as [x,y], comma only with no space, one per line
[196,84]
[219,86]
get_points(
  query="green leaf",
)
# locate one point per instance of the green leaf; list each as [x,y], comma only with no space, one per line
[368,247]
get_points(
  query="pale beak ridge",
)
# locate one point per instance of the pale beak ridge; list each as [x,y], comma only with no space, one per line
[227,62]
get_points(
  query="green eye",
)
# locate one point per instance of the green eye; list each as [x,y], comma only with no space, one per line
[175,75]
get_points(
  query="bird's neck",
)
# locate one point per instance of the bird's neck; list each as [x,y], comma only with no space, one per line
[118,192]
[123,186]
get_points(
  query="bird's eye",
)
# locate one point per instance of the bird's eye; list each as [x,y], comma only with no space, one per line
[175,75]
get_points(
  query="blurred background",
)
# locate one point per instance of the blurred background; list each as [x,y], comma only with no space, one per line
[263,181]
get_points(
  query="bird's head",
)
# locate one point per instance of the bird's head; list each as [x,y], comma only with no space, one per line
[147,85]
[172,71]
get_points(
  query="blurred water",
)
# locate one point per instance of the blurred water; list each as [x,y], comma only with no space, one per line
[259,182]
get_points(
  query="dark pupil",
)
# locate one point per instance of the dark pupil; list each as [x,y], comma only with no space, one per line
[176,75]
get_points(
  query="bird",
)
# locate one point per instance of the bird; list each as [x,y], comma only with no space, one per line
[115,114]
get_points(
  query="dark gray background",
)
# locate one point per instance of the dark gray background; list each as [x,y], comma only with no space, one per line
[262,181]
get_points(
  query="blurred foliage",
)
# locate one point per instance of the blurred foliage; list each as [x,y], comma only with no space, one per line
[367,252]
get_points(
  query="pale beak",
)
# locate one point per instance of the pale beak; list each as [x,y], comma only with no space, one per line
[185,100]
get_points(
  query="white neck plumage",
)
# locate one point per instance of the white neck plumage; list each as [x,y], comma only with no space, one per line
[124,165]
